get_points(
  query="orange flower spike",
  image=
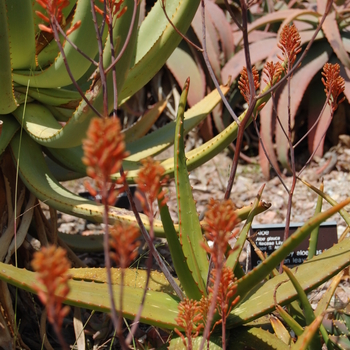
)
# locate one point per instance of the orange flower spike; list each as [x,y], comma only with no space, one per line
[334,84]
[123,242]
[104,148]
[114,8]
[219,222]
[188,317]
[273,72]
[52,265]
[289,43]
[150,180]
[243,83]
[227,289]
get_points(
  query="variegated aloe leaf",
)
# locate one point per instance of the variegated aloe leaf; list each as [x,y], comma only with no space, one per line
[160,308]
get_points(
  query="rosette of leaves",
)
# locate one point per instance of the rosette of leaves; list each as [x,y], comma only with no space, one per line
[45,118]
[331,45]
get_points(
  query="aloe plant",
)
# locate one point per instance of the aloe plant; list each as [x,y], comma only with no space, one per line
[256,296]
[331,45]
[35,125]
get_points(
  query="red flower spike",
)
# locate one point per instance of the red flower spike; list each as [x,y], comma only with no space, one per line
[52,265]
[334,84]
[124,244]
[289,43]
[104,151]
[54,10]
[219,222]
[150,180]
[243,83]
[273,72]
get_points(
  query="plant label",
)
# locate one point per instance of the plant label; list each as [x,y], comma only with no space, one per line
[269,238]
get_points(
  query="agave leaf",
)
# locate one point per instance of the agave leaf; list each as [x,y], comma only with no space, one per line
[160,309]
[301,79]
[331,31]
[8,101]
[183,64]
[311,274]
[143,126]
[280,331]
[257,338]
[190,231]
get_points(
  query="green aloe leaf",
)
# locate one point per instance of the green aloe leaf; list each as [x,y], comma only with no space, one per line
[257,338]
[255,276]
[8,101]
[306,338]
[155,43]
[232,260]
[314,233]
[183,272]
[310,317]
[190,232]
[259,300]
